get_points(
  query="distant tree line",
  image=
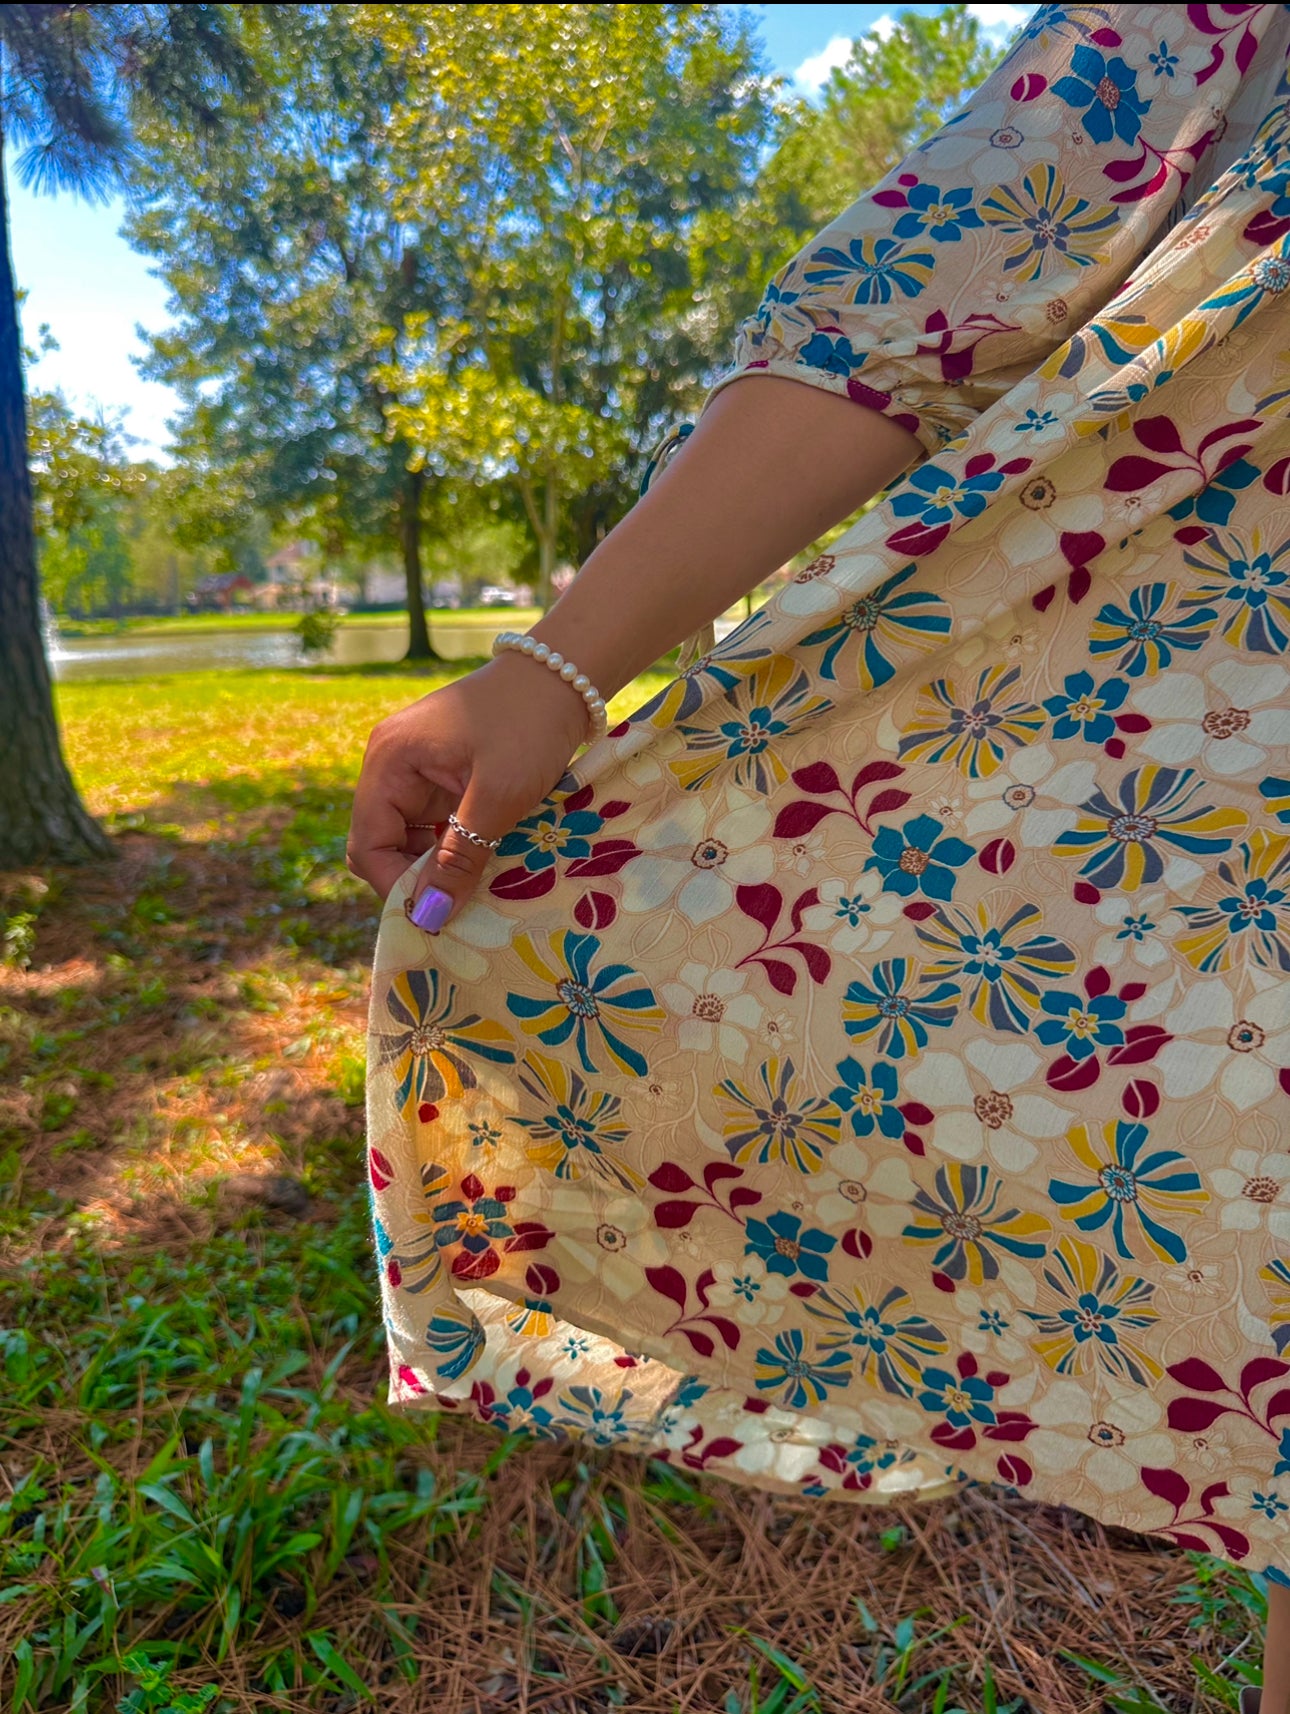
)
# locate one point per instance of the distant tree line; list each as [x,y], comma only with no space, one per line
[437,274]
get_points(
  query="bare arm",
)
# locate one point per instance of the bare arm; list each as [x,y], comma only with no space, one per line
[771,465]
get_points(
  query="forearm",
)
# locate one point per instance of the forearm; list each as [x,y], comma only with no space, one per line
[772,464]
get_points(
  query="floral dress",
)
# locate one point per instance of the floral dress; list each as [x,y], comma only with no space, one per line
[870,1069]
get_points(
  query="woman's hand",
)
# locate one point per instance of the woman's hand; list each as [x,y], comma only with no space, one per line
[491,746]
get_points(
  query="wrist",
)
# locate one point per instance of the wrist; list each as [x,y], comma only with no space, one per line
[543,696]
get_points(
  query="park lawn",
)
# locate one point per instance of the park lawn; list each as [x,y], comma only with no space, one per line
[201,1489]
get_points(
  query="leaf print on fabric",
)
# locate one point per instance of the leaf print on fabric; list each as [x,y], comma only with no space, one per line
[891,1340]
[870,270]
[1106,92]
[961,1216]
[1244,911]
[1051,225]
[920,858]
[1099,1319]
[1138,1191]
[592,1004]
[797,1378]
[974,733]
[580,1131]
[1124,842]
[1146,632]
[431,1045]
[752,721]
[899,1004]
[1001,962]
[892,622]
[1247,586]
[775,1120]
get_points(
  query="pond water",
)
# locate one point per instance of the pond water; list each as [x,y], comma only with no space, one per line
[130,656]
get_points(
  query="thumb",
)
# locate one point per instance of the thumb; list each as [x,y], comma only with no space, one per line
[458,861]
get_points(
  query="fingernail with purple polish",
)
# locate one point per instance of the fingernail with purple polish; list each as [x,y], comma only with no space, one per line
[431,910]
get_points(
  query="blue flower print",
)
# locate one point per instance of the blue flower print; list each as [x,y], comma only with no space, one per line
[935,497]
[1107,91]
[1084,712]
[549,834]
[831,352]
[1163,63]
[787,1248]
[1282,1466]
[921,858]
[942,215]
[1272,1506]
[1144,635]
[1213,504]
[800,1380]
[1036,422]
[901,1006]
[871,270]
[962,1399]
[870,1098]
[1081,1025]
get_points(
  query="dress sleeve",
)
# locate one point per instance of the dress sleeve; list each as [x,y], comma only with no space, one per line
[1004,232]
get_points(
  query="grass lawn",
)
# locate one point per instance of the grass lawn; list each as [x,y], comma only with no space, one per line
[204,1503]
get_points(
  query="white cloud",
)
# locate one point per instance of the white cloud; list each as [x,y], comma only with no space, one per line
[883,27]
[1000,21]
[813,73]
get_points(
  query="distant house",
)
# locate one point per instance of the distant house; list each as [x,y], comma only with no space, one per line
[220,592]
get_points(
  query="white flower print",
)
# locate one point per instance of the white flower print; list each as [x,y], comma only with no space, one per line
[1035,799]
[801,855]
[1224,723]
[1139,927]
[697,861]
[993,1325]
[745,1291]
[1255,1192]
[1111,1449]
[853,914]
[840,1191]
[945,808]
[1241,1054]
[979,1105]
[777,1030]
[613,1245]
[714,1010]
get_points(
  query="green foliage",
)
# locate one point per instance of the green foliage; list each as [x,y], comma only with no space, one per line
[893,91]
[317,631]
[576,176]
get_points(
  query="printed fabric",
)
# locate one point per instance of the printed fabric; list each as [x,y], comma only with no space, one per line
[870,1069]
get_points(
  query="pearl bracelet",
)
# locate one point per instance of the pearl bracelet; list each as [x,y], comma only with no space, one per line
[546,656]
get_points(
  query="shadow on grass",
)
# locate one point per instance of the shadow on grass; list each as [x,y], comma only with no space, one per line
[193,1010]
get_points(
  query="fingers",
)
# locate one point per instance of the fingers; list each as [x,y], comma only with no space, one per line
[453,872]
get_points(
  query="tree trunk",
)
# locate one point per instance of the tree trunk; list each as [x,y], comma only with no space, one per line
[419,647]
[42,818]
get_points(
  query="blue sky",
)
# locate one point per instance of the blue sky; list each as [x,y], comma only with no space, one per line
[93,291]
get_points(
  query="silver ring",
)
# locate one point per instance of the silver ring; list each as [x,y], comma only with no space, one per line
[423,826]
[474,838]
